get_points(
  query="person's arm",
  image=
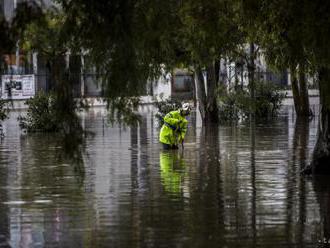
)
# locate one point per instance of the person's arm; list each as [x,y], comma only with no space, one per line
[183,129]
[170,120]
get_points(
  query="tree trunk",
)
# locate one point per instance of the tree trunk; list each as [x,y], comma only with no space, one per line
[304,98]
[251,72]
[295,90]
[321,156]
[207,97]
[201,94]
[217,71]
[300,91]
[212,113]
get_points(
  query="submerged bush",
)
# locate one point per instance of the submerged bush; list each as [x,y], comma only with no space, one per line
[234,105]
[40,115]
[237,104]
[268,99]
[3,114]
[47,112]
[3,110]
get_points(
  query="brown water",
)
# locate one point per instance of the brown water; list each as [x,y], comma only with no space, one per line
[231,186]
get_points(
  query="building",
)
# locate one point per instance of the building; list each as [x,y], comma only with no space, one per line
[20,64]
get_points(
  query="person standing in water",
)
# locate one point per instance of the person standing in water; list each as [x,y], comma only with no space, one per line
[174,128]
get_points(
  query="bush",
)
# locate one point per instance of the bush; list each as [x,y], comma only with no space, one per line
[3,110]
[237,104]
[3,115]
[48,113]
[233,105]
[268,99]
[41,114]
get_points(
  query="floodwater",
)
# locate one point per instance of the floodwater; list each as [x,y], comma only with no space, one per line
[231,186]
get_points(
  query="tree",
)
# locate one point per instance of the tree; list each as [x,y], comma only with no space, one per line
[139,36]
[127,42]
[208,33]
[296,36]
[316,41]
[281,37]
[11,31]
[48,36]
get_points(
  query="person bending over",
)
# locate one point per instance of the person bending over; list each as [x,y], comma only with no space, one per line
[174,128]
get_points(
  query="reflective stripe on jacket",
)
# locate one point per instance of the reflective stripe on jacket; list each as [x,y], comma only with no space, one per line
[174,129]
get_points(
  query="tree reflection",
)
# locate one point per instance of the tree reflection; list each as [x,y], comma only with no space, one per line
[50,157]
[207,195]
[72,148]
[299,159]
[4,210]
[253,179]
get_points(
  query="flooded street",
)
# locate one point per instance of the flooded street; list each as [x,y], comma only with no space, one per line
[231,186]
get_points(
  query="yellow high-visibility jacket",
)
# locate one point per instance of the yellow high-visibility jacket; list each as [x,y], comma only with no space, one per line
[174,128]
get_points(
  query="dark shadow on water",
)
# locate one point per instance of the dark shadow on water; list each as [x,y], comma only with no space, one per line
[253,181]
[295,180]
[4,209]
[322,188]
[56,150]
[72,148]
[207,197]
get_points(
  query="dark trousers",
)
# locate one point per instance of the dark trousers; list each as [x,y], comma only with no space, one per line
[170,147]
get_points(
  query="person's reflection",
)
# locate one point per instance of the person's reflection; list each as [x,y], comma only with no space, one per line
[172,171]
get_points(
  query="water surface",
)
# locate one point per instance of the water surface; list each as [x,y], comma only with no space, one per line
[231,186]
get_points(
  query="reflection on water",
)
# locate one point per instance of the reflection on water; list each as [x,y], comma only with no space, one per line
[231,186]
[172,171]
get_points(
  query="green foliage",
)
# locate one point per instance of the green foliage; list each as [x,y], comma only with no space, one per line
[208,30]
[47,35]
[55,111]
[46,114]
[117,35]
[233,105]
[41,114]
[238,104]
[128,41]
[123,110]
[3,110]
[268,99]
[25,14]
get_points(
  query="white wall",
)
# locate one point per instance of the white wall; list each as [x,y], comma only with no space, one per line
[162,88]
